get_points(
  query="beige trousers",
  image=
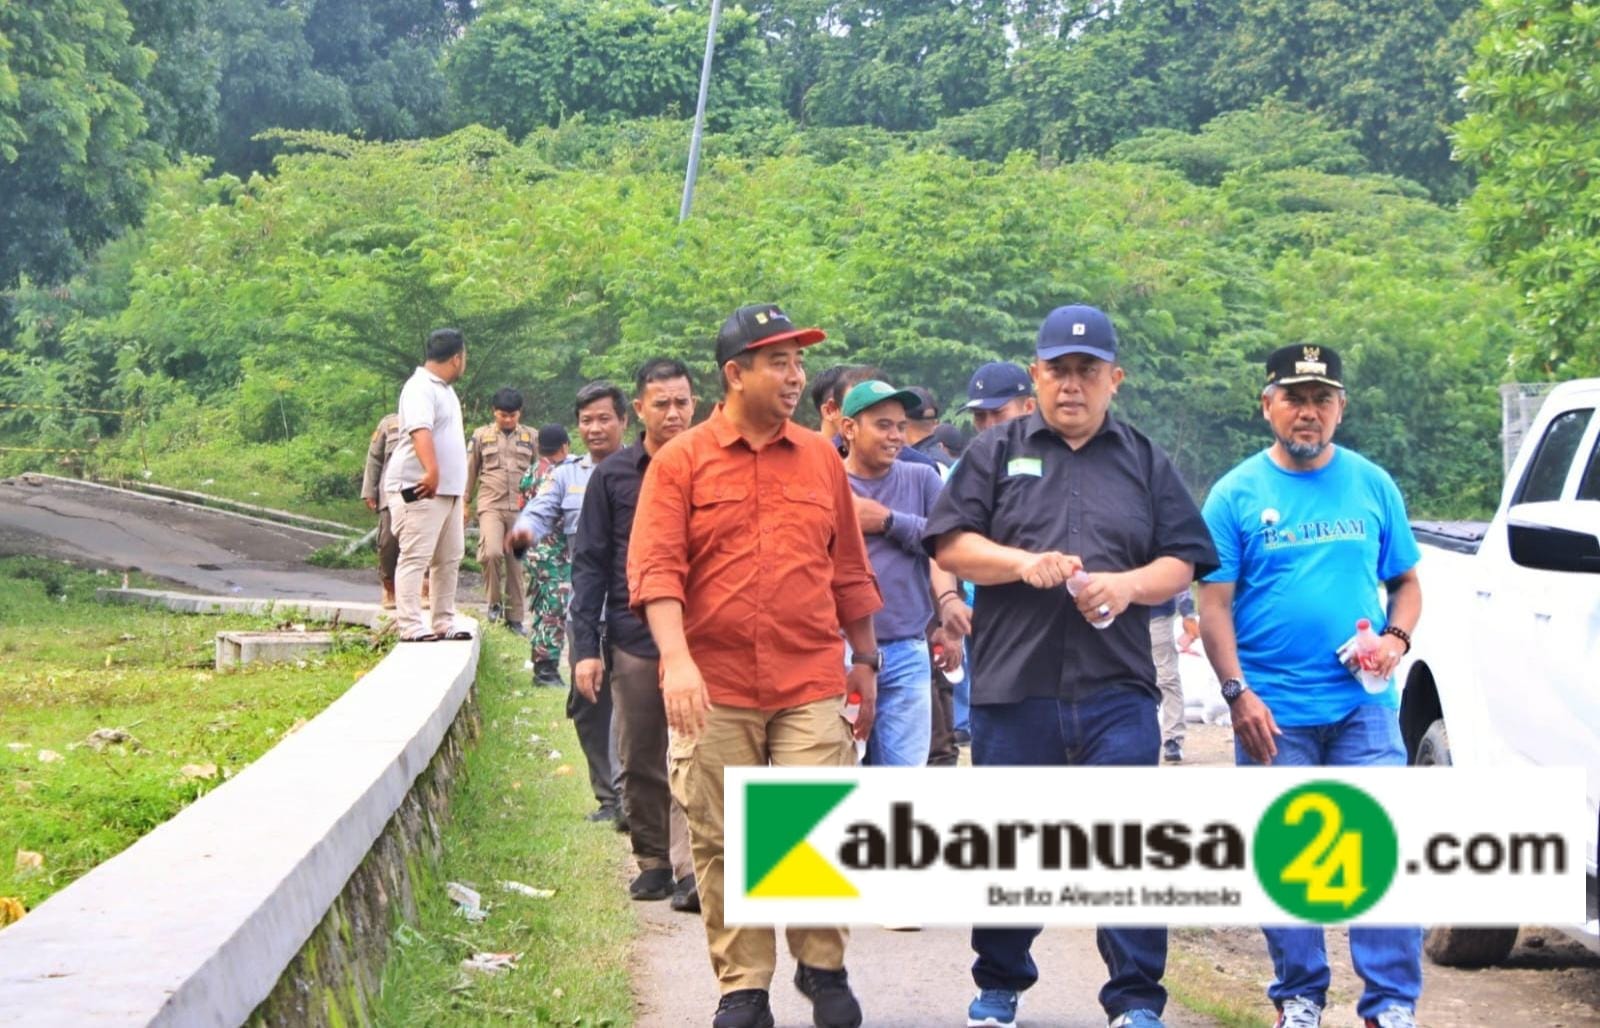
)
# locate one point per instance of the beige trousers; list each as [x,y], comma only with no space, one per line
[431,540]
[493,527]
[1164,649]
[813,735]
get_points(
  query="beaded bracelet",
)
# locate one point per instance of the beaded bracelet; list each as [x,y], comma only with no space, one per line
[1398,633]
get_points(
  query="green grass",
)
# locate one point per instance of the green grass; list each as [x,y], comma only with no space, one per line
[518,815]
[74,666]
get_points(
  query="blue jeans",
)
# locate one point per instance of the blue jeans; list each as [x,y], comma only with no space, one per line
[903,728]
[1388,959]
[1114,726]
[963,692]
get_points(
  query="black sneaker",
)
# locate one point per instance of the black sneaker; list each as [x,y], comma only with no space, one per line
[685,896]
[743,1008]
[654,884]
[1172,751]
[833,1005]
[604,813]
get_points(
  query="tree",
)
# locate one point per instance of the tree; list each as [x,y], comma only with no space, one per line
[74,164]
[1383,68]
[520,68]
[180,94]
[1530,135]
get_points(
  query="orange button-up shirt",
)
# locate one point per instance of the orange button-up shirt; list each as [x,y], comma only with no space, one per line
[763,550]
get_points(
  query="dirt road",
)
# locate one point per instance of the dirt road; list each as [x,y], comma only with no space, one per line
[202,550]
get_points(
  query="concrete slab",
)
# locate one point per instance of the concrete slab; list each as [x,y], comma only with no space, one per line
[322,611]
[194,923]
[239,648]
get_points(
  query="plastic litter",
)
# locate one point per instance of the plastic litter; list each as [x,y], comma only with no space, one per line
[100,738]
[28,860]
[469,904]
[491,963]
[527,890]
[49,756]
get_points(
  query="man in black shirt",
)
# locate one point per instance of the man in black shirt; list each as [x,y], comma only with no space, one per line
[664,400]
[1068,492]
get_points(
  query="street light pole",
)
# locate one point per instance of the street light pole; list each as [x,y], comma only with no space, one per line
[700,114]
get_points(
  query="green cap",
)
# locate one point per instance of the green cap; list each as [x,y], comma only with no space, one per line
[873,392]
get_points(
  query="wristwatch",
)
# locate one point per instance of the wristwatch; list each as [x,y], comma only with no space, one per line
[888,523]
[1233,688]
[873,660]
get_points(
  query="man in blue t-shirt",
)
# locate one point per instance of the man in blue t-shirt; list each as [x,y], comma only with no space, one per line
[1306,532]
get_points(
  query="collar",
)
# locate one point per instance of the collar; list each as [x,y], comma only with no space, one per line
[424,369]
[637,455]
[1036,425]
[724,432]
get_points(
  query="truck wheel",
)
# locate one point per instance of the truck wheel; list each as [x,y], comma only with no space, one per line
[1433,749]
[1456,946]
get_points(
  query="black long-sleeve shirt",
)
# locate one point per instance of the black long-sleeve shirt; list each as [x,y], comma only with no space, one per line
[600,559]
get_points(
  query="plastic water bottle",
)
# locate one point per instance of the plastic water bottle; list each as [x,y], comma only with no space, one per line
[851,712]
[955,676]
[1075,585]
[1368,654]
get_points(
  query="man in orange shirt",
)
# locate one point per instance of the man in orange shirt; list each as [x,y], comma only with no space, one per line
[746,562]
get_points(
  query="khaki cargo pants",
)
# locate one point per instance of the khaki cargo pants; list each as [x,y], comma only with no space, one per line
[813,735]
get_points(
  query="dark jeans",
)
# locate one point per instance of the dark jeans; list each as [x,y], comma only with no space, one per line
[1114,726]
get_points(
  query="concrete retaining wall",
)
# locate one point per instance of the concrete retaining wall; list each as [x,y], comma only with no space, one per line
[198,922]
[328,611]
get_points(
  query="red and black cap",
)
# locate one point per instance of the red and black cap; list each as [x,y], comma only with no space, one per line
[760,324]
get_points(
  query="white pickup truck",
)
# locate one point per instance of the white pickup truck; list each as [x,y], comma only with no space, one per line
[1504,670]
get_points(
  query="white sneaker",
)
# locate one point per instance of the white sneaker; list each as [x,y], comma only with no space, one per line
[1394,1017]
[1299,1012]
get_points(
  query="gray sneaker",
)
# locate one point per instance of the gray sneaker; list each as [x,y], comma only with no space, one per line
[1299,1012]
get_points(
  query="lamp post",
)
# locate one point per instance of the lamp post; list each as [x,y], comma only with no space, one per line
[700,114]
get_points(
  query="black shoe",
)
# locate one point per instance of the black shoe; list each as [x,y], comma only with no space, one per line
[516,626]
[546,673]
[743,1008]
[604,813]
[1172,750]
[621,824]
[685,897]
[833,1005]
[654,884]
[963,737]
[494,612]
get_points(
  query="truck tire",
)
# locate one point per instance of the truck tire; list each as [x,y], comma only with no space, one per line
[1458,945]
[1433,749]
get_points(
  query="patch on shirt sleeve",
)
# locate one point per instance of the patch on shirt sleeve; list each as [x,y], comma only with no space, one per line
[1032,467]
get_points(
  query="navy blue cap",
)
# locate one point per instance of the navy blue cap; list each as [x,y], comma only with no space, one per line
[1077,329]
[996,384]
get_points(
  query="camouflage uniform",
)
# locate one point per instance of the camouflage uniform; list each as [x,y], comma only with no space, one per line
[549,576]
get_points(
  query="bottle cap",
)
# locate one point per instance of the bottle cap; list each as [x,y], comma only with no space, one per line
[854,697]
[1362,624]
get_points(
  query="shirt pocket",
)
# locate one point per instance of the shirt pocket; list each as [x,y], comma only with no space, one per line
[721,517]
[806,517]
[489,454]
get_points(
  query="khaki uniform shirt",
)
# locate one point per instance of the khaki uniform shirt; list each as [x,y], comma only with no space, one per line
[385,438]
[496,462]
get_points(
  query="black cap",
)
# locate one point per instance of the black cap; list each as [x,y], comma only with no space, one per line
[1304,362]
[551,439]
[760,324]
[930,405]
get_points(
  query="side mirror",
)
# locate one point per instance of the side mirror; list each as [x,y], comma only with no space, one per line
[1548,548]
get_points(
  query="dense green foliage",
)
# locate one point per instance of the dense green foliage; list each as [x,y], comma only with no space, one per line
[297,303]
[1534,100]
[74,164]
[925,179]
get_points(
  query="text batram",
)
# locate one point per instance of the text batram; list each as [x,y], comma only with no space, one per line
[968,846]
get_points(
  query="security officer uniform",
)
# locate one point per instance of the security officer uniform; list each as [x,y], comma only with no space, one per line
[496,462]
[385,439]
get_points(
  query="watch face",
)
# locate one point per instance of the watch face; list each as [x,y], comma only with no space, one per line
[1231,689]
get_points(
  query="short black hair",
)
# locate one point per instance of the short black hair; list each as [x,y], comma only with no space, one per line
[822,385]
[660,369]
[507,399]
[851,375]
[599,391]
[444,343]
[745,360]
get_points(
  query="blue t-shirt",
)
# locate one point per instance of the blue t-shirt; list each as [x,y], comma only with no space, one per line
[898,559]
[1306,552]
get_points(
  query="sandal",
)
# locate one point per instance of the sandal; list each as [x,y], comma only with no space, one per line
[426,637]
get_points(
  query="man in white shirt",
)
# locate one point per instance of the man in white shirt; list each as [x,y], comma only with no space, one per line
[426,480]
